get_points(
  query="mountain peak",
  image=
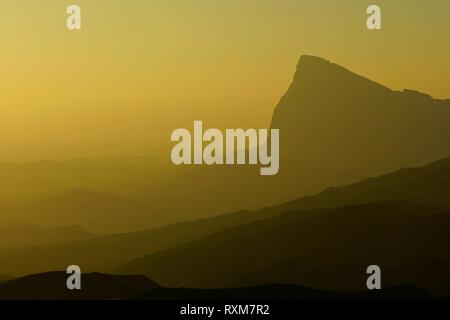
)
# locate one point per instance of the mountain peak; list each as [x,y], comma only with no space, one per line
[336,123]
[314,70]
[308,59]
[309,63]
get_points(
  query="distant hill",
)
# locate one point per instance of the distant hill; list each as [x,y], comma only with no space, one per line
[20,236]
[99,212]
[327,249]
[114,250]
[119,175]
[337,127]
[428,185]
[95,286]
[282,292]
[4,278]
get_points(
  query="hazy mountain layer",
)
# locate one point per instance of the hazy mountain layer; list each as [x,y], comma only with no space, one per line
[424,183]
[99,212]
[124,176]
[428,185]
[336,127]
[107,252]
[329,250]
[20,236]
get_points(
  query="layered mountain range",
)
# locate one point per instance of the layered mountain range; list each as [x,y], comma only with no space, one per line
[336,127]
[323,241]
[339,204]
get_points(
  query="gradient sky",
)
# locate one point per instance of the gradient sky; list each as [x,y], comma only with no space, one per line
[140,68]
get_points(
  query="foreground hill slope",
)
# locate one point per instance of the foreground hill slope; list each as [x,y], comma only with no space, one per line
[105,253]
[326,249]
[428,185]
[95,286]
[281,292]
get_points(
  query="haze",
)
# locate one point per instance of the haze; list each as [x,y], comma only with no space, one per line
[139,69]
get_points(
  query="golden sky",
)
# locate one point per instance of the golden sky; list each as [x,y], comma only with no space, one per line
[140,68]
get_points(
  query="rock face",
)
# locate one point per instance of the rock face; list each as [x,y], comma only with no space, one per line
[337,127]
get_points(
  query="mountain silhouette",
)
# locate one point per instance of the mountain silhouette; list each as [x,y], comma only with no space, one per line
[20,236]
[114,250]
[94,286]
[428,185]
[337,127]
[99,286]
[119,175]
[328,249]
[281,292]
[172,203]
[88,209]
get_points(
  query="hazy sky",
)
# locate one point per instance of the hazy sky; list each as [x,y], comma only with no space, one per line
[140,68]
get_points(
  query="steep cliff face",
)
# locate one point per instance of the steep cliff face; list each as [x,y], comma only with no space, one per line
[337,127]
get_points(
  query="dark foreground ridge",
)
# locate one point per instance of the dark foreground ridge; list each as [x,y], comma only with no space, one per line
[99,286]
[282,292]
[95,286]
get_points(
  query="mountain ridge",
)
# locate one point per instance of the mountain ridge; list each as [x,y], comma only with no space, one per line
[98,286]
[274,291]
[405,184]
[328,249]
[15,236]
[113,250]
[338,127]
[95,286]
